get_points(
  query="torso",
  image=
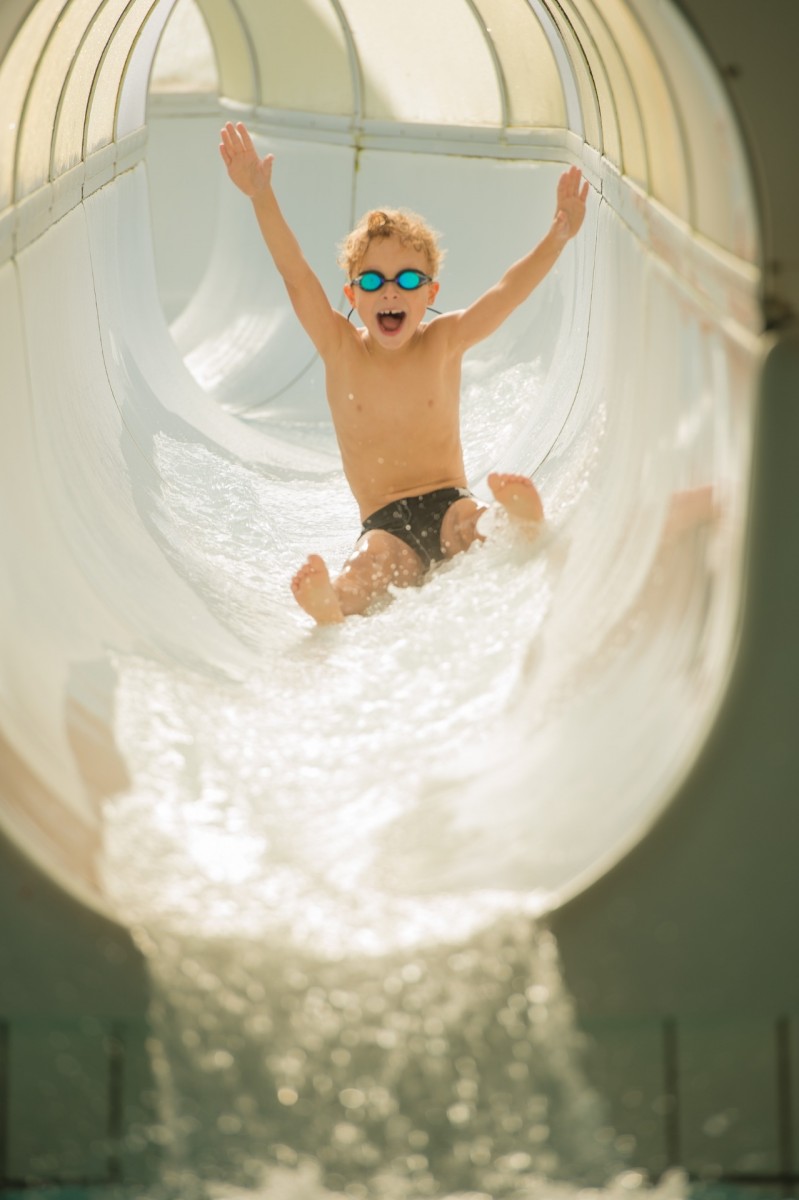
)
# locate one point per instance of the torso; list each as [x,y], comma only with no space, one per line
[396,416]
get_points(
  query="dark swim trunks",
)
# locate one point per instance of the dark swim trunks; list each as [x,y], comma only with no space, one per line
[416,520]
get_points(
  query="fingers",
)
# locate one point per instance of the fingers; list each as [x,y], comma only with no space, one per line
[236,139]
[231,139]
[569,182]
[572,195]
[244,134]
[236,144]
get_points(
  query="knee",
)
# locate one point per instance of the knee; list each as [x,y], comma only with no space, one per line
[461,532]
[389,558]
[369,560]
[377,562]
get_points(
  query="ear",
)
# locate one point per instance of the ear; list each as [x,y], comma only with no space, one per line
[349,292]
[432,291]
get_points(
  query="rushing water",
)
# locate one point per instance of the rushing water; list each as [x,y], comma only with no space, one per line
[324,1024]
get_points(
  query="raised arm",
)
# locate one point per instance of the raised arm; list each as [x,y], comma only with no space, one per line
[253,176]
[494,306]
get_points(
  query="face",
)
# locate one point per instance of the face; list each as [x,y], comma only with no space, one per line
[391,315]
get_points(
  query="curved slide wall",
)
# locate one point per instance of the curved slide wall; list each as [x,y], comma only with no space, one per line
[648,344]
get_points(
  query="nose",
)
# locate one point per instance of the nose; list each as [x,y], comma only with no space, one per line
[389,294]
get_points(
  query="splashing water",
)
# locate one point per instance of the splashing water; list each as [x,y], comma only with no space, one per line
[322,1027]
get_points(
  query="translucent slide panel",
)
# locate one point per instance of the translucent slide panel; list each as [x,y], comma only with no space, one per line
[39,120]
[408,72]
[235,53]
[302,55]
[668,178]
[70,130]
[16,72]
[578,62]
[724,201]
[579,18]
[186,59]
[627,149]
[535,93]
[116,111]
[13,15]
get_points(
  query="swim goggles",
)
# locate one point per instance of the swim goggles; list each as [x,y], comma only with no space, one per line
[409,280]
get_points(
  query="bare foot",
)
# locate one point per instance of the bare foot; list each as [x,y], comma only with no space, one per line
[314,592]
[518,496]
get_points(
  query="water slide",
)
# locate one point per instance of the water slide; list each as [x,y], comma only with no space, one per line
[599,734]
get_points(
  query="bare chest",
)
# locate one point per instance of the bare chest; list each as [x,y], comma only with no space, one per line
[397,425]
[375,402]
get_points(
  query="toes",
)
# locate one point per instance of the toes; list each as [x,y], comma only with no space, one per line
[498,482]
[300,577]
[312,569]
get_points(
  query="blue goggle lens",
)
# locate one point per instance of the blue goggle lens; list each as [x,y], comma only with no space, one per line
[408,280]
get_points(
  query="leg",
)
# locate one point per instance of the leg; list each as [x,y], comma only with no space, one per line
[459,527]
[518,496]
[379,560]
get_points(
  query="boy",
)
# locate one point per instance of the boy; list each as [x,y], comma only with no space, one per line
[393,386]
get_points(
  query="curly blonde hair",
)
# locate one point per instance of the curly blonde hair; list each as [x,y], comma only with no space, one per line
[411,230]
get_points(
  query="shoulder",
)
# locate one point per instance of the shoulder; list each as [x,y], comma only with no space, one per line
[444,332]
[343,337]
[346,348]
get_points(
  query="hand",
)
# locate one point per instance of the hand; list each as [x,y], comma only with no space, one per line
[570,210]
[249,172]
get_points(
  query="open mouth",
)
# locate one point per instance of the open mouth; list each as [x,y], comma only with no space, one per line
[390,322]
